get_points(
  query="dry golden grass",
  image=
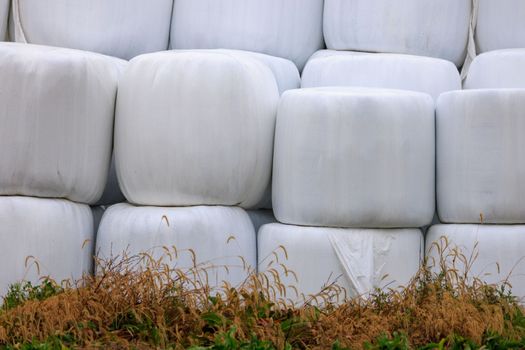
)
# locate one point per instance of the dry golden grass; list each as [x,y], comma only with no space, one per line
[159,307]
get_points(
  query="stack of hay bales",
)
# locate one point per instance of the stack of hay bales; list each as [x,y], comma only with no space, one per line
[481,167]
[194,138]
[55,147]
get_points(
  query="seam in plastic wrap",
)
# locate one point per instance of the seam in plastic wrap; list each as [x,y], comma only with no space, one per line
[471,45]
[19,35]
[360,255]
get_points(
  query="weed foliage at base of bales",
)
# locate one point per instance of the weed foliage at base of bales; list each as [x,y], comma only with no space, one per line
[141,302]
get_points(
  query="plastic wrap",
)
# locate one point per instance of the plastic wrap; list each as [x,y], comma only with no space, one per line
[500,25]
[218,236]
[357,260]
[354,158]
[391,71]
[497,70]
[419,27]
[290,29]
[121,28]
[44,237]
[480,164]
[498,252]
[57,121]
[212,116]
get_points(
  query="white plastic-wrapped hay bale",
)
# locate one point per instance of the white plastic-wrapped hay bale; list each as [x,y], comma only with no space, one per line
[212,116]
[120,28]
[500,25]
[4,15]
[261,217]
[499,250]
[391,71]
[480,165]
[499,69]
[290,29]
[44,237]
[418,27]
[218,237]
[350,157]
[358,260]
[57,121]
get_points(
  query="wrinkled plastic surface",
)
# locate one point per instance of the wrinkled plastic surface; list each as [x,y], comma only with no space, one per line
[217,235]
[499,69]
[121,28]
[500,25]
[357,260]
[57,121]
[290,29]
[44,237]
[498,250]
[348,157]
[419,27]
[391,71]
[212,116]
[480,164]
[4,15]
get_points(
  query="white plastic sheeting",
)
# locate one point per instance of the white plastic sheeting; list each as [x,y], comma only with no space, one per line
[57,121]
[497,70]
[44,237]
[4,14]
[290,29]
[212,116]
[121,28]
[499,251]
[500,25]
[392,71]
[349,157]
[217,235]
[480,164]
[357,260]
[419,27]
[261,217]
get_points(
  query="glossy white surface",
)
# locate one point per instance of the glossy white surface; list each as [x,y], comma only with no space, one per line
[217,235]
[121,28]
[357,260]
[419,27]
[391,71]
[349,157]
[56,121]
[44,237]
[290,29]
[499,69]
[500,25]
[212,117]
[499,251]
[480,163]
